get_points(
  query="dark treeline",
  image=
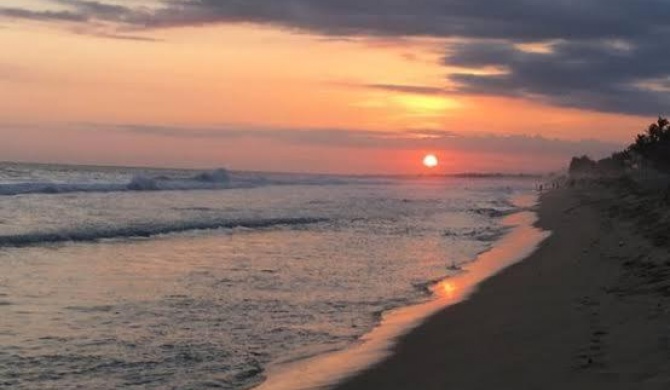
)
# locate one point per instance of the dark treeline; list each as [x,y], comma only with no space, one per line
[651,149]
[637,182]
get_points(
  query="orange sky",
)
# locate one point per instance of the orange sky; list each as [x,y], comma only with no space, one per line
[62,93]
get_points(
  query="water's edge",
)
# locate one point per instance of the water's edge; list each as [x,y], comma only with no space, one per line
[327,370]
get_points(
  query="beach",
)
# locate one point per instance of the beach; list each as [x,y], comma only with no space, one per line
[323,194]
[412,283]
[587,310]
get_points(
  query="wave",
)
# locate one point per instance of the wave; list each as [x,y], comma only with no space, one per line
[497,175]
[494,212]
[144,231]
[211,180]
[482,234]
[219,179]
[57,188]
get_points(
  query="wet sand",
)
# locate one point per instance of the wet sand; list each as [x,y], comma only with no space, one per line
[588,310]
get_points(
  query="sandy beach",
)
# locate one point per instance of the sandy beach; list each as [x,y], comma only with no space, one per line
[587,310]
[324,194]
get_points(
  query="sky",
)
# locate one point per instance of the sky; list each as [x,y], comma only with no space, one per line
[333,86]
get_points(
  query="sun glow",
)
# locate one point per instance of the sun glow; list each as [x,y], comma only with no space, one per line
[430,161]
[421,105]
[448,289]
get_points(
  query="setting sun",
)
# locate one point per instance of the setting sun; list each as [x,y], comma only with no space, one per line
[430,161]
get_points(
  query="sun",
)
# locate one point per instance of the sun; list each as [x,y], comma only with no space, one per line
[430,161]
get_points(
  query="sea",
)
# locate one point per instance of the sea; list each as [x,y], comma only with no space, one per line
[145,278]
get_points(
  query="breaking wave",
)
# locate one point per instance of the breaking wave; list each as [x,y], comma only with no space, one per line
[481,234]
[148,230]
[495,212]
[219,179]
[211,180]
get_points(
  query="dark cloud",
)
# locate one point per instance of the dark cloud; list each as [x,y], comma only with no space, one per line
[528,20]
[410,139]
[521,20]
[605,53]
[599,75]
[60,16]
[97,9]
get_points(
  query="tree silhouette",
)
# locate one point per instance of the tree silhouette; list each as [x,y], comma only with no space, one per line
[581,165]
[653,147]
[650,149]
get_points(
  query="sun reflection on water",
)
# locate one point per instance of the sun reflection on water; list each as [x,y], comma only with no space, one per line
[446,289]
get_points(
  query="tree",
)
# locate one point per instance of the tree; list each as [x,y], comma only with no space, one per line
[581,165]
[654,145]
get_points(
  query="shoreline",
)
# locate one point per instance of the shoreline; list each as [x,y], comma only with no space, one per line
[332,368]
[587,310]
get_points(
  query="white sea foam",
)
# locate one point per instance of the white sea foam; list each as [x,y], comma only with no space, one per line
[209,180]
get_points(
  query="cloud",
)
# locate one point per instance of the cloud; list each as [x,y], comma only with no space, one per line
[414,89]
[409,139]
[528,20]
[401,88]
[49,16]
[101,33]
[98,9]
[599,75]
[605,55]
[86,17]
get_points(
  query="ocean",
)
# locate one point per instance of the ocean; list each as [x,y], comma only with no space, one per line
[157,278]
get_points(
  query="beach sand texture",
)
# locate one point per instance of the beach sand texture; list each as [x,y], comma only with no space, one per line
[588,310]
